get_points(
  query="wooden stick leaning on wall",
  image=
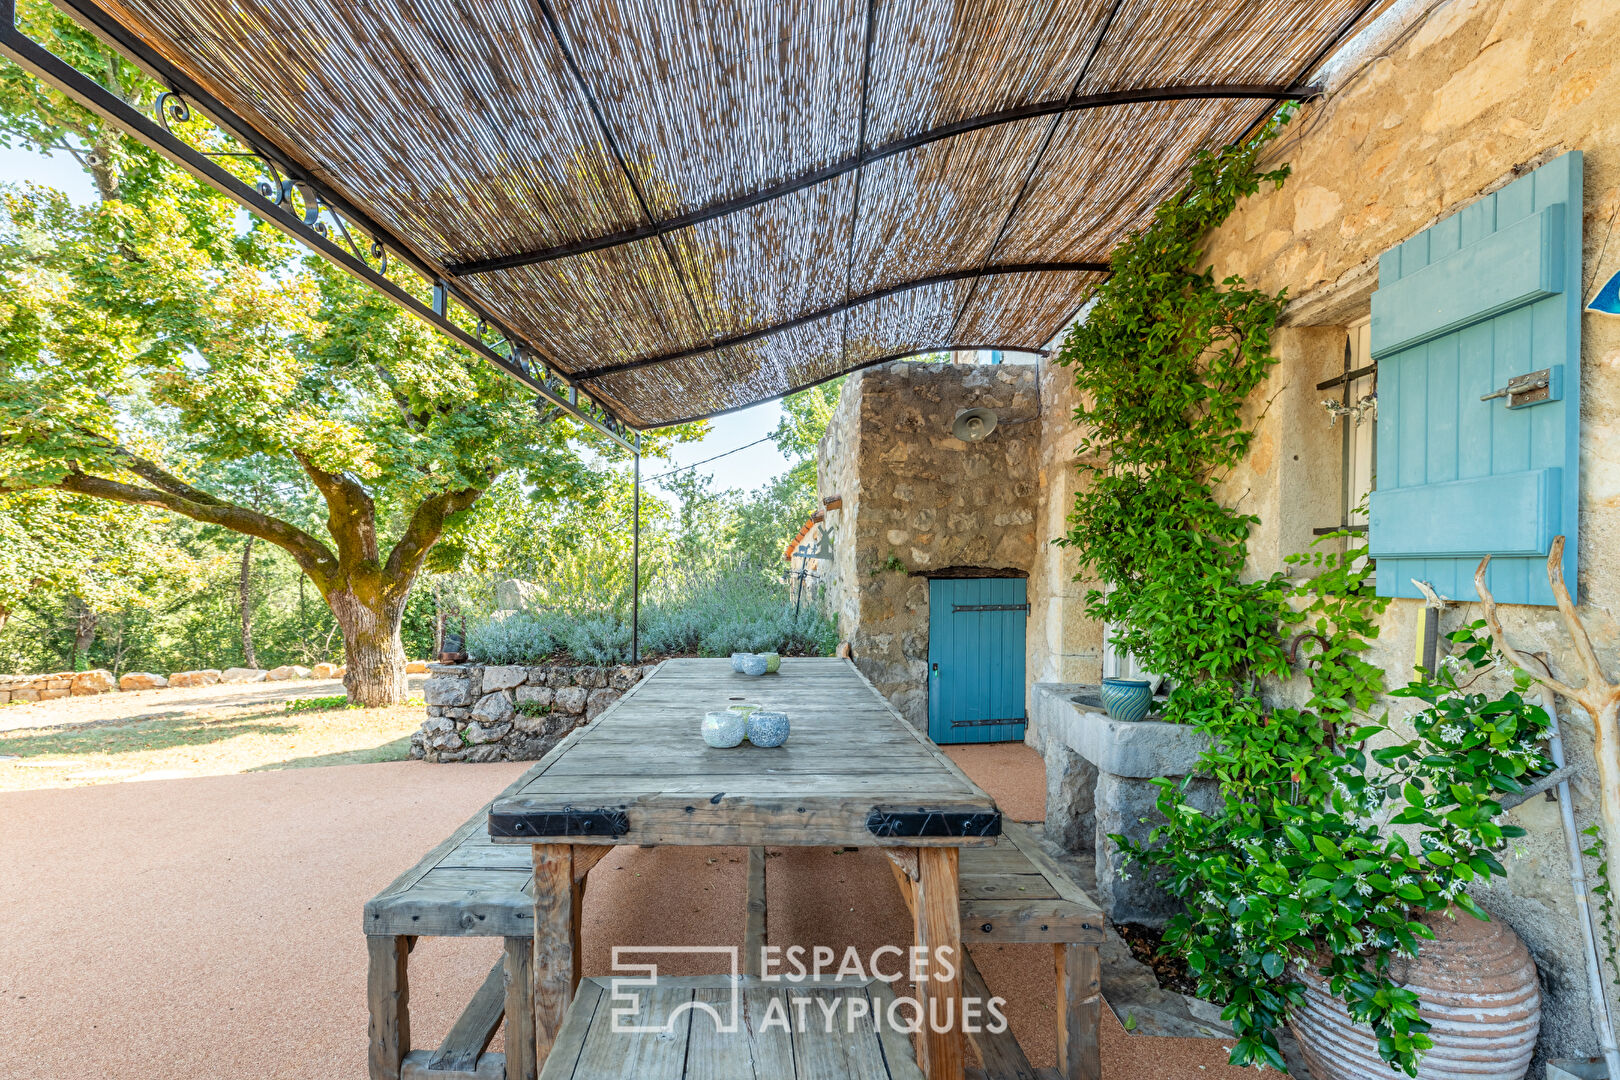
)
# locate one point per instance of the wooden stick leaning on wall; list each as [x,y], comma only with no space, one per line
[1598,696]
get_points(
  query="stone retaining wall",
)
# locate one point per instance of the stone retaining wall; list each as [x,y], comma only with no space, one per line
[512,712]
[62,684]
[58,684]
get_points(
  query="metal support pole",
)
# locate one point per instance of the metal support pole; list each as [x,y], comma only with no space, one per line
[635,561]
[1577,874]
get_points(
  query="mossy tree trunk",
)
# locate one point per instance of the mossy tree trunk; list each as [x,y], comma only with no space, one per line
[365,590]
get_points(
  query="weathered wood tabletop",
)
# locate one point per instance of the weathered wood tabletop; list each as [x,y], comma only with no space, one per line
[852,772]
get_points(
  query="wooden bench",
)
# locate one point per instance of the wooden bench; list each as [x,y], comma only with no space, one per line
[709,1026]
[1016,892]
[469,887]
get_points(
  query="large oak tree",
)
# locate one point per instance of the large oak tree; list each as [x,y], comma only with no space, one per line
[158,333]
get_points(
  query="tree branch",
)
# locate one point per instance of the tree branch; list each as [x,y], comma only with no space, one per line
[311,555]
[351,514]
[412,420]
[427,523]
[1493,621]
[1595,679]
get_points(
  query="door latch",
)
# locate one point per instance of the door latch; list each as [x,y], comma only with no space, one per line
[1530,389]
[936,670]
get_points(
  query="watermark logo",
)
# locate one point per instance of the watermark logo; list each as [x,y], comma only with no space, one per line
[801,973]
[625,990]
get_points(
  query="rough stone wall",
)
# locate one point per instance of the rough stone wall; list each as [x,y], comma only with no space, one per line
[919,502]
[838,473]
[511,712]
[1446,109]
[1064,644]
[59,684]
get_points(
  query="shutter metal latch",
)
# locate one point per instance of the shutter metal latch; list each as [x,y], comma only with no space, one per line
[1529,389]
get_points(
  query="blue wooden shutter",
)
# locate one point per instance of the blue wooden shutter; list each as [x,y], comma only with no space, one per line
[1490,293]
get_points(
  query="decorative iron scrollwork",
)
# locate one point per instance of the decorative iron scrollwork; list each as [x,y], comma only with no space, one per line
[169,105]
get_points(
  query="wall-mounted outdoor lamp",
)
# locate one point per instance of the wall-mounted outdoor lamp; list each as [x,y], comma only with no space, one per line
[974,425]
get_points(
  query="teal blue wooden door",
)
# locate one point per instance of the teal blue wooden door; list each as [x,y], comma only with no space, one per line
[1476,331]
[976,659]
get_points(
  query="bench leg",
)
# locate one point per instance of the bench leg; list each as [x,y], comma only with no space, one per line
[553,976]
[1079,1008]
[937,915]
[754,939]
[520,1061]
[388,999]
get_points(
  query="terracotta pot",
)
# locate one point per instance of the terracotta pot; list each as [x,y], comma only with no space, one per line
[1476,985]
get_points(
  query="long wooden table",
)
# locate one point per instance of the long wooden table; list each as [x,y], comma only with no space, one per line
[853,773]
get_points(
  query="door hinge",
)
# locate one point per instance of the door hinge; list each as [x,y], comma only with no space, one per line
[990,723]
[989,607]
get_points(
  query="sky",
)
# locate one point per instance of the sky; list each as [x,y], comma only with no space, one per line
[743,471]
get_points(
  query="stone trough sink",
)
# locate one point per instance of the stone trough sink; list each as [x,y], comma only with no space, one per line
[1099,780]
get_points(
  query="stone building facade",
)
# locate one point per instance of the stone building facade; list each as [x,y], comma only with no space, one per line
[918,502]
[1442,105]
[1437,105]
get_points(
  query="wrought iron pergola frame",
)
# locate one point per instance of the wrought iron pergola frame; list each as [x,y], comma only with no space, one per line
[273,202]
[557,384]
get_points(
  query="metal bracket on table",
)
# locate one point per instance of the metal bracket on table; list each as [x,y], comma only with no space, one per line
[569,821]
[901,822]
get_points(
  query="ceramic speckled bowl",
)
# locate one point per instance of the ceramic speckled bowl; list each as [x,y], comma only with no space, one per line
[773,662]
[754,664]
[767,727]
[724,729]
[737,659]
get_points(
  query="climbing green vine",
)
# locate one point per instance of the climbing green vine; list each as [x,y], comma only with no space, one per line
[1300,865]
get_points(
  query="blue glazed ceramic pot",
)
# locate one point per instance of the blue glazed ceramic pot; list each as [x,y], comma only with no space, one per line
[1126,699]
[724,729]
[767,727]
[737,659]
[754,664]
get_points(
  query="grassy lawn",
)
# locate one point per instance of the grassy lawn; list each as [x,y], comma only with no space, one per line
[203,744]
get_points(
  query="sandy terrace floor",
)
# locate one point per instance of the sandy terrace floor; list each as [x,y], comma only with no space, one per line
[210,927]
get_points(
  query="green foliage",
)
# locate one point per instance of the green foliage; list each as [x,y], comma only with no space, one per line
[1165,362]
[805,417]
[1599,852]
[891,565]
[1304,866]
[728,609]
[1301,863]
[314,704]
[158,348]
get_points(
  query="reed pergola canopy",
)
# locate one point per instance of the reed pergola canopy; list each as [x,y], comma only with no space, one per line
[673,208]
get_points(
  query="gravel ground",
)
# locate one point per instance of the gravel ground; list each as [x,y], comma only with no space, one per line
[210,927]
[144,704]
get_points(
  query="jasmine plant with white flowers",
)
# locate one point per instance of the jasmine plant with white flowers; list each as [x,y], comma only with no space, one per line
[1330,869]
[1334,832]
